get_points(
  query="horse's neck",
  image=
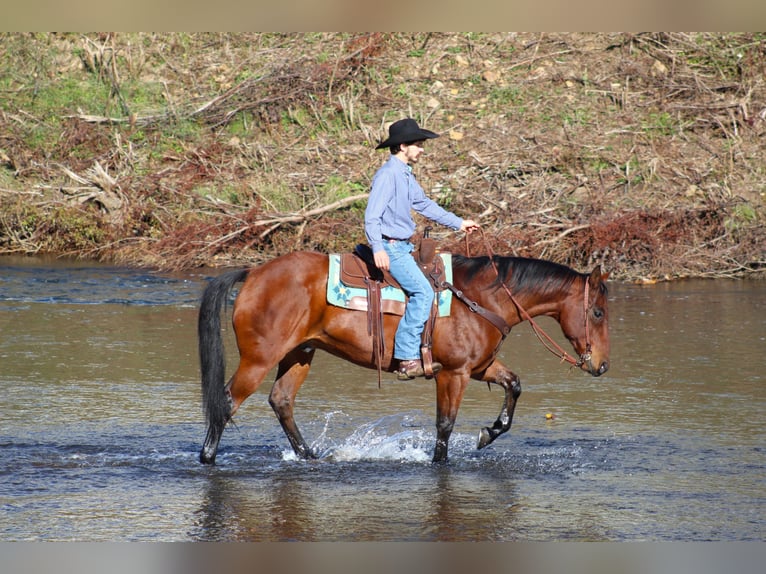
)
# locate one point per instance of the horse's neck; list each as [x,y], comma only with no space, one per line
[536,305]
[533,304]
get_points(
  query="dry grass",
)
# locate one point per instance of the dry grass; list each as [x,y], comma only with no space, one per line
[640,152]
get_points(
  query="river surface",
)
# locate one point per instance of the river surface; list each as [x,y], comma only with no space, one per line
[101,425]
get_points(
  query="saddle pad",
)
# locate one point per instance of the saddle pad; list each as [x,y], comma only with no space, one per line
[393,299]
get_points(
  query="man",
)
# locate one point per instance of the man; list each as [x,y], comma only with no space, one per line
[388,225]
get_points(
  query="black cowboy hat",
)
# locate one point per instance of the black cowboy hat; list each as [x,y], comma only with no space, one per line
[405,131]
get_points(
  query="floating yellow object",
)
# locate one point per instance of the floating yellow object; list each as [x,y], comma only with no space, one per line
[550,416]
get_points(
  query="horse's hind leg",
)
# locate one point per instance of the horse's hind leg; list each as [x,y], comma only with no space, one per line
[290,376]
[499,374]
[246,379]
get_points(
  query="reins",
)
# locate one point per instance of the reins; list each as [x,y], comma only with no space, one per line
[541,335]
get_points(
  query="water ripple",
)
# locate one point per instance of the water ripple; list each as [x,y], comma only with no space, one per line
[91,284]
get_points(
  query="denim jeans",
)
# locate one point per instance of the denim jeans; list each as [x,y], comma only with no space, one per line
[421,296]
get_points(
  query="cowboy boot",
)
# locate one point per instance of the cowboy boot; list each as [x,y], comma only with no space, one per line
[409,369]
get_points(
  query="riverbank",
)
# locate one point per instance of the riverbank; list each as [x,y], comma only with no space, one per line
[641,152]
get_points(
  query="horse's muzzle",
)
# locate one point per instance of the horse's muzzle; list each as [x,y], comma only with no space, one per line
[586,364]
[597,372]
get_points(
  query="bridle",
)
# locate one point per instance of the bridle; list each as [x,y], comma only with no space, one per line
[541,335]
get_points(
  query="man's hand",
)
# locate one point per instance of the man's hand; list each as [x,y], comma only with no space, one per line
[469,225]
[381,260]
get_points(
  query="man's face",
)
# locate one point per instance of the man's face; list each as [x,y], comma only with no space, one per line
[413,150]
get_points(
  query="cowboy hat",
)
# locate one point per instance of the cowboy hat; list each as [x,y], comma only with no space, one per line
[405,131]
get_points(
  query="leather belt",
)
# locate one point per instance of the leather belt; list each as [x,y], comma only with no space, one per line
[392,239]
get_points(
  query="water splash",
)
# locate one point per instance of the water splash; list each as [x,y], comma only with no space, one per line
[396,437]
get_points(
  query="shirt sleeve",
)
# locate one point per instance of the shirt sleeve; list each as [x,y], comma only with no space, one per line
[433,211]
[381,195]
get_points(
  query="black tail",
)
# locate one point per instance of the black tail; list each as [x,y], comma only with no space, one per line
[215,403]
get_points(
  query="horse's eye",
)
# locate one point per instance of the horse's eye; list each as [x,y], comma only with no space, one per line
[598,312]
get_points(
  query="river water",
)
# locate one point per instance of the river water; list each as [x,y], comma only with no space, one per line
[101,425]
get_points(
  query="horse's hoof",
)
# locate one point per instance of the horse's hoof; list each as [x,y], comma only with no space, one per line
[484,438]
[206,458]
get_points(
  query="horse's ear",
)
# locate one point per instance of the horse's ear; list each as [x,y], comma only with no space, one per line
[596,276]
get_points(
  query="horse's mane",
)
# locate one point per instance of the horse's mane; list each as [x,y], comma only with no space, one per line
[518,273]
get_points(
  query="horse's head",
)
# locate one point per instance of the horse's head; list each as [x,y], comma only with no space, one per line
[585,322]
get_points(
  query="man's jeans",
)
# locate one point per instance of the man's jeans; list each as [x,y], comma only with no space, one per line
[421,296]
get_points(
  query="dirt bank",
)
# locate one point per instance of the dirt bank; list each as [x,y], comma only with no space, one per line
[642,152]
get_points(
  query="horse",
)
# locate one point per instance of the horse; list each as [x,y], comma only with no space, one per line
[281,316]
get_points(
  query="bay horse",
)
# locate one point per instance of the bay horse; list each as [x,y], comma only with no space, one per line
[281,316]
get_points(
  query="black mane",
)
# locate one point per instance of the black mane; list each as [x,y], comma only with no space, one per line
[519,273]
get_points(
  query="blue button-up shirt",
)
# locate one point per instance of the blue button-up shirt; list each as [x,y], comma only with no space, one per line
[395,192]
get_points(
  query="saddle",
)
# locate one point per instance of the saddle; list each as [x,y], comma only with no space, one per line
[358,269]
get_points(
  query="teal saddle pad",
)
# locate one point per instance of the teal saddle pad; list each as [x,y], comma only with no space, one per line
[341,295]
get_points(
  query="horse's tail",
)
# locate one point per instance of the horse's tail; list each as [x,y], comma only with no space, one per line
[215,402]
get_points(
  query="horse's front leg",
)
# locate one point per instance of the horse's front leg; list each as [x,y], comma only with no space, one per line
[499,374]
[450,387]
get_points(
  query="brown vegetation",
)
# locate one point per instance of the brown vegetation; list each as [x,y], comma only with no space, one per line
[642,152]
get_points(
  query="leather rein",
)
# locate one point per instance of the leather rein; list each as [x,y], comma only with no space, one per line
[503,326]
